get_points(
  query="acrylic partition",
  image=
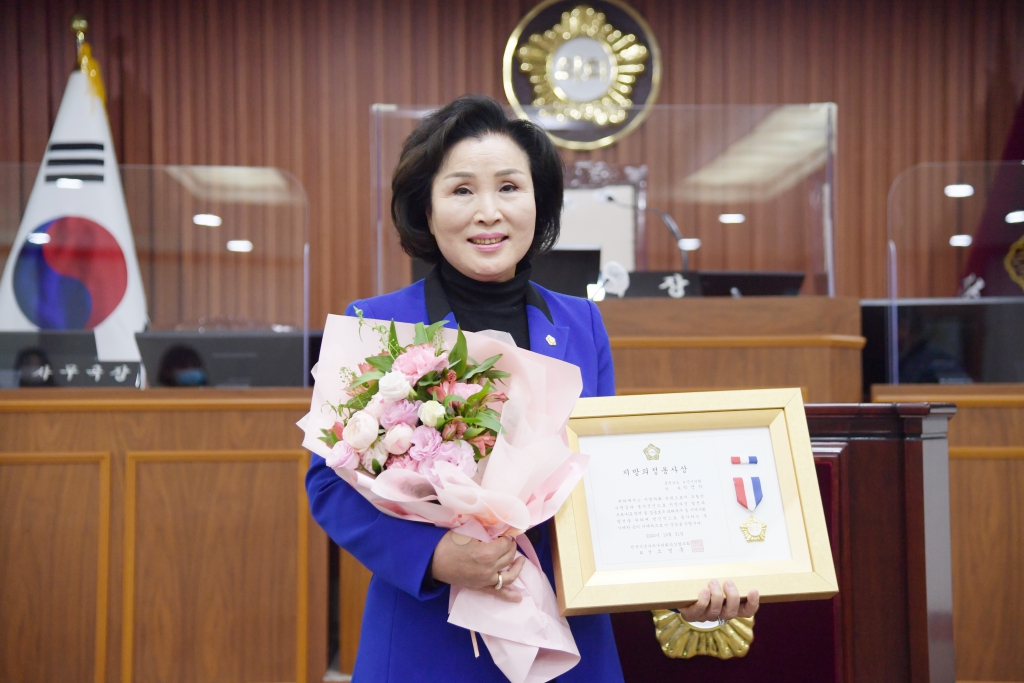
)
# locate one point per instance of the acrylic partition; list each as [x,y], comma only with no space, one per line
[749,189]
[955,306]
[223,257]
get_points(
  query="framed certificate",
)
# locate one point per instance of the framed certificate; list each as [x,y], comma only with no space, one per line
[683,488]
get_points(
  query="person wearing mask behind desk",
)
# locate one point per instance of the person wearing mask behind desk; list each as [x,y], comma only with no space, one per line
[478,194]
[181,366]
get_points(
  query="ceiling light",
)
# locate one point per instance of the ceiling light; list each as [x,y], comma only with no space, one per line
[731,218]
[39,238]
[960,241]
[69,183]
[689,244]
[241,246]
[1015,217]
[957,191]
[209,219]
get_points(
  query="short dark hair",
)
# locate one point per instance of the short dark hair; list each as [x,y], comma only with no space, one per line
[470,116]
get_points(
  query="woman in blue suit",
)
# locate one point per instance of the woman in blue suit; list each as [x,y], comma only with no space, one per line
[478,194]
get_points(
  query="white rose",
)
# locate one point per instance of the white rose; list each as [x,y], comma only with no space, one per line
[394,386]
[375,407]
[375,452]
[361,431]
[431,413]
[398,439]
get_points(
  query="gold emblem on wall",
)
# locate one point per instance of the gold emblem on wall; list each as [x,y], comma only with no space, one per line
[1014,262]
[588,73]
[679,639]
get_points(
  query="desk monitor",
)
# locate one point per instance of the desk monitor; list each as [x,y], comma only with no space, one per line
[677,284]
[747,283]
[250,358]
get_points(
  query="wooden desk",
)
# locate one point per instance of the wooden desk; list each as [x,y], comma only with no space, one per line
[161,535]
[666,345]
[873,464]
[986,474]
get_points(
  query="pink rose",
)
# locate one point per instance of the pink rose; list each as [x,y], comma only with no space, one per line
[398,439]
[419,360]
[401,462]
[343,456]
[360,431]
[460,454]
[425,442]
[400,412]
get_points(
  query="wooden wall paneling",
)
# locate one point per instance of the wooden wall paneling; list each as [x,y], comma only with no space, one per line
[700,344]
[190,517]
[181,420]
[10,104]
[55,578]
[986,480]
[988,536]
[289,84]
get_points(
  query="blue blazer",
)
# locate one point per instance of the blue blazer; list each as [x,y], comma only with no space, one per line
[406,637]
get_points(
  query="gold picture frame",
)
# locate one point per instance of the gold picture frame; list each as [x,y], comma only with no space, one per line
[809,574]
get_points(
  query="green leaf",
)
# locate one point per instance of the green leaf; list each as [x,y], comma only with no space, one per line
[382,363]
[451,398]
[488,419]
[329,437]
[457,358]
[420,334]
[480,395]
[377,469]
[483,367]
[496,374]
[473,431]
[432,330]
[367,377]
[393,347]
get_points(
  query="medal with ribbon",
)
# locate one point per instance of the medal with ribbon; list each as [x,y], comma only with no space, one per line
[749,494]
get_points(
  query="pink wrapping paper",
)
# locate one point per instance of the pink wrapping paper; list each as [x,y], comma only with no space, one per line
[529,474]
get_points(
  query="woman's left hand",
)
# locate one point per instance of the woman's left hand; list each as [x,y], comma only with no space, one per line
[720,602]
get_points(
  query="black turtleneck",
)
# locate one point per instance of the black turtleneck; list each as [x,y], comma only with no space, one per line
[489,305]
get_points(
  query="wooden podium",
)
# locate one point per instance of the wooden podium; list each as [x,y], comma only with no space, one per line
[161,535]
[702,344]
[881,470]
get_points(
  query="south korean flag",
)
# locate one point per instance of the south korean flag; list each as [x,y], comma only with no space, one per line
[748,491]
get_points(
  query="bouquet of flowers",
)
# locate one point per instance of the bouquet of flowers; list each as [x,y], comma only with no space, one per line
[407,416]
[410,407]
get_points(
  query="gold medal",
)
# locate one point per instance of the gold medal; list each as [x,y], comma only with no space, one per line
[753,529]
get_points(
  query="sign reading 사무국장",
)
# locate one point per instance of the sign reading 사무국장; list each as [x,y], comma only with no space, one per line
[684,498]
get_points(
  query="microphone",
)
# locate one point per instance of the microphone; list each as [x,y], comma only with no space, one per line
[685,244]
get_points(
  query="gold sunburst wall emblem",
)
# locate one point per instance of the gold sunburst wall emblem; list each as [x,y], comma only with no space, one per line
[1014,262]
[583,68]
[587,72]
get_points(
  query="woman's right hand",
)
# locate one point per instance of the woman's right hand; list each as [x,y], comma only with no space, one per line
[463,561]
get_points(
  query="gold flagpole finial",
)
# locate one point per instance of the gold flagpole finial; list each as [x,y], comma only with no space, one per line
[86,62]
[79,26]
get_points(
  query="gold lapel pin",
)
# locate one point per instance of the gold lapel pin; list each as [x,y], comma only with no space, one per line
[550,340]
